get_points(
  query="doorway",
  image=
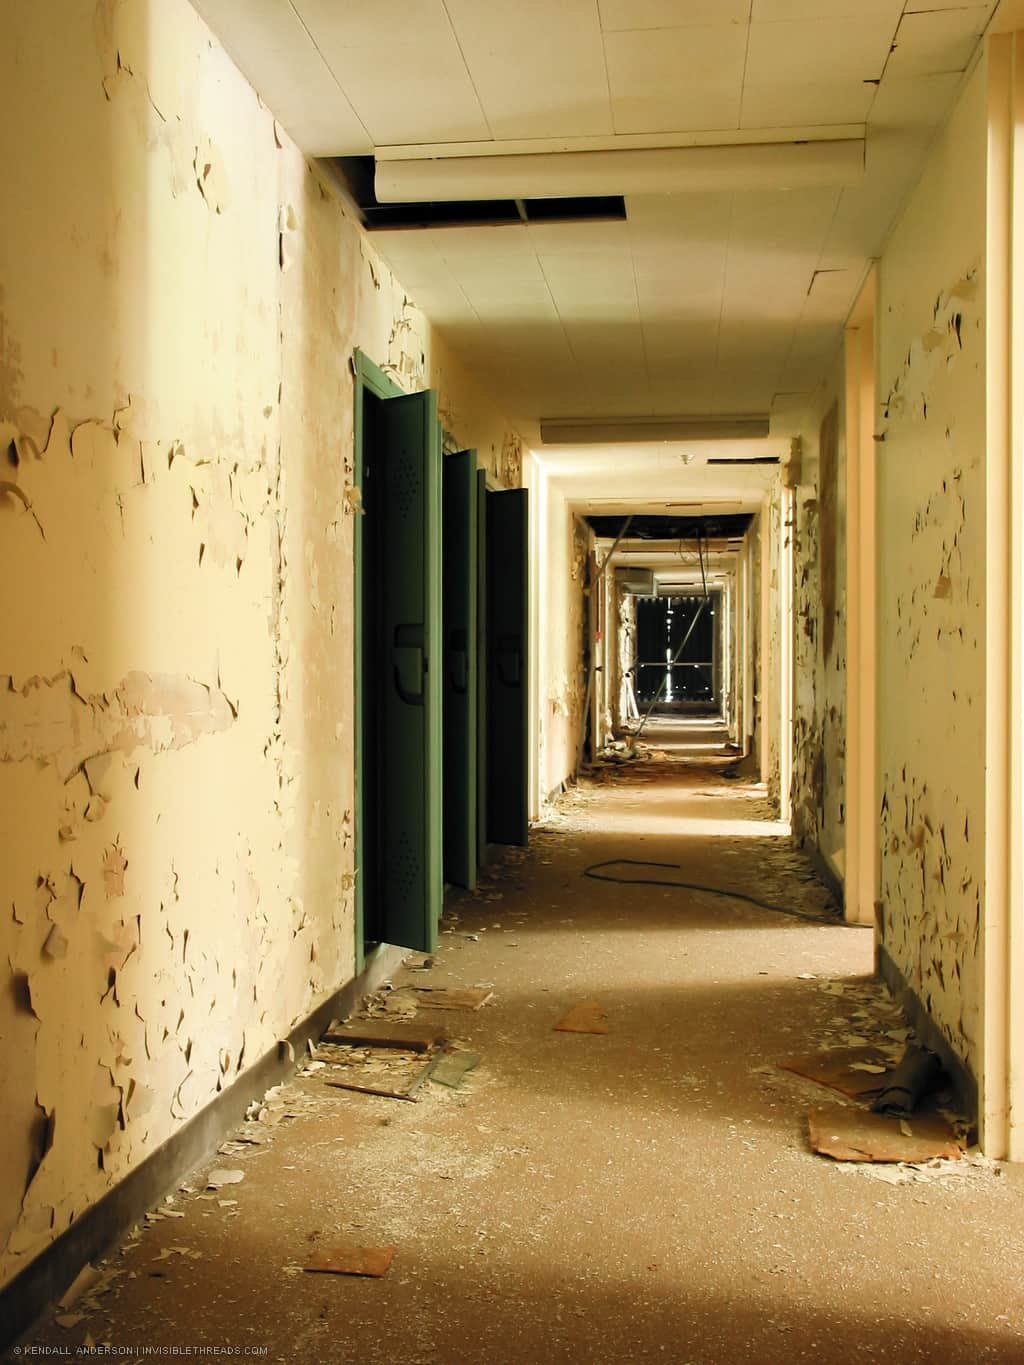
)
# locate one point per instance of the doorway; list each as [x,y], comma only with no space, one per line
[441,668]
[678,664]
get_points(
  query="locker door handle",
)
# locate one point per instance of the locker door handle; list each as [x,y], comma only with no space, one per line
[509,660]
[410,658]
[459,652]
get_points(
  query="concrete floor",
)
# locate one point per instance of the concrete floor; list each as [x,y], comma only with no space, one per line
[648,1195]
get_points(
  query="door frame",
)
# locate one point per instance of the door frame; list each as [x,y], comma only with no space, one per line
[368,378]
[860,890]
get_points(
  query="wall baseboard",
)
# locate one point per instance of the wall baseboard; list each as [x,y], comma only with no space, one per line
[25,1299]
[965,1086]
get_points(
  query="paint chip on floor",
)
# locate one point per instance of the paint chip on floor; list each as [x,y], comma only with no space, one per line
[351,1260]
[218,1178]
[586,1017]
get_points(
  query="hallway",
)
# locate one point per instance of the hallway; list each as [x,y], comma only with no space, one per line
[647,1195]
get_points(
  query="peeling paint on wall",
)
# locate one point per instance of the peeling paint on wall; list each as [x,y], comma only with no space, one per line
[819,703]
[177,499]
[932,611]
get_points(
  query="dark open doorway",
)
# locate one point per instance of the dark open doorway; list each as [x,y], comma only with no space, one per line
[678,653]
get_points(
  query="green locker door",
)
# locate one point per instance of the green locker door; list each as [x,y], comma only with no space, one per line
[459,533]
[481,673]
[508,673]
[408,461]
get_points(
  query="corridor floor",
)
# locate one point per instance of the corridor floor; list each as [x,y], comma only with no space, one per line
[645,1195]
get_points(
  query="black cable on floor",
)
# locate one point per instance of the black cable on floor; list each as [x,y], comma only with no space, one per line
[594,873]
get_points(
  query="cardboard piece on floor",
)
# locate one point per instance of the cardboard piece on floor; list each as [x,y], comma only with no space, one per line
[350,1260]
[445,998]
[842,1069]
[451,1067]
[586,1017]
[853,1135]
[408,1037]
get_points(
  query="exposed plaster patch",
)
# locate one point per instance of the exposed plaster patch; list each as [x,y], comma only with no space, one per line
[211,177]
[49,721]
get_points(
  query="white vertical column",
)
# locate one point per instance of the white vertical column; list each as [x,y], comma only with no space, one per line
[1002,937]
[747,608]
[861,614]
[786,577]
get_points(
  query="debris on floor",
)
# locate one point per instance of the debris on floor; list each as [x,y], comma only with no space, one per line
[918,1076]
[452,1066]
[86,1281]
[971,1168]
[586,1017]
[217,1179]
[853,1135]
[351,1260]
[449,998]
[388,1072]
[409,1037]
[387,1002]
[856,1072]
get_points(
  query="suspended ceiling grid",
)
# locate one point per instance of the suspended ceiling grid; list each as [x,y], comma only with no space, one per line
[698,303]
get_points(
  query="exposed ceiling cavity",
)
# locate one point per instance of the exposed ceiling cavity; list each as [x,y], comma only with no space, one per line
[726,527]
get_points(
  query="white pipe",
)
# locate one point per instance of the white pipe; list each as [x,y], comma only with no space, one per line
[647,170]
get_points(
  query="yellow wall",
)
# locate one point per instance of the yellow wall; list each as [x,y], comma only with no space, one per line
[819,719]
[181,297]
[557,603]
[931,528]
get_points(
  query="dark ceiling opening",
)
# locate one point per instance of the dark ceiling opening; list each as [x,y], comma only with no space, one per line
[356,174]
[726,527]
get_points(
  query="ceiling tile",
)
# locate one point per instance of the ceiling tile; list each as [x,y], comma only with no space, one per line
[411,255]
[829,50]
[576,239]
[704,216]
[617,15]
[496,297]
[782,223]
[269,45]
[538,68]
[926,6]
[578,307]
[810,103]
[913,101]
[939,40]
[695,290]
[671,345]
[830,296]
[673,79]
[488,252]
[595,273]
[406,79]
[866,11]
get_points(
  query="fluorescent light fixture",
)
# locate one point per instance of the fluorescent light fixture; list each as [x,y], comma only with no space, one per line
[626,170]
[625,430]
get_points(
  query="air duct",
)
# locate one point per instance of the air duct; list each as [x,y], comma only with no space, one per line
[632,170]
[627,430]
